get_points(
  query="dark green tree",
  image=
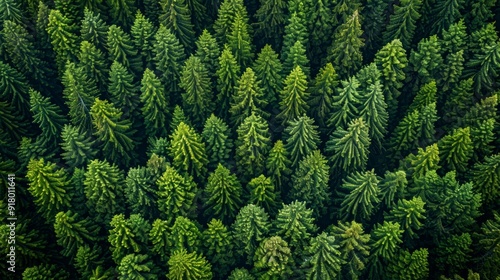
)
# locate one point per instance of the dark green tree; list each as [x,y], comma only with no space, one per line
[188,266]
[293,97]
[410,214]
[63,38]
[406,265]
[45,271]
[240,42]
[11,10]
[48,117]
[484,67]
[178,117]
[248,98]
[218,144]
[218,245]
[72,232]
[208,51]
[121,48]
[272,258]
[270,20]
[490,243]
[188,151]
[295,30]
[141,192]
[446,12]
[296,56]
[485,176]
[228,72]
[184,234]
[128,236]
[14,89]
[240,274]
[324,260]
[322,94]
[456,149]
[345,104]
[123,91]
[93,63]
[268,69]
[122,12]
[143,36]
[136,266]
[405,136]
[78,149]
[94,29]
[223,195]
[361,196]
[453,253]
[426,61]
[249,229]
[263,194]
[403,22]
[226,16]
[177,18]
[320,19]
[301,138]
[278,165]
[155,104]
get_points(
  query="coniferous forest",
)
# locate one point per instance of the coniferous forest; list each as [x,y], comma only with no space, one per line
[250,139]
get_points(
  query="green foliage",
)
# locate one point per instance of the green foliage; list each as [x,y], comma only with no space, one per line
[272,258]
[11,10]
[301,138]
[208,51]
[158,238]
[77,148]
[93,63]
[240,274]
[228,11]
[324,261]
[484,67]
[392,187]
[140,192]
[322,94]
[349,148]
[456,149]
[263,194]
[425,161]
[218,247]
[122,11]
[13,88]
[49,187]
[271,17]
[121,48]
[94,29]
[486,177]
[268,69]
[143,36]
[361,196]
[218,144]
[134,266]
[48,117]
[409,214]
[188,266]
[45,271]
[73,232]
[405,136]
[490,243]
[240,42]
[155,103]
[177,19]
[427,61]
[403,21]
[249,229]
[123,90]
[175,195]
[295,30]
[278,164]
[223,194]
[188,151]
[169,57]
[184,234]
[293,97]
[453,253]
[345,104]
[446,13]
[296,57]
[248,98]
[310,182]
[63,38]
[425,96]
[386,239]
[127,236]
[227,74]
[409,266]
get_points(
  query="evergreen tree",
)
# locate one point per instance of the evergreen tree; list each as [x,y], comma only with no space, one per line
[140,192]
[456,149]
[123,90]
[158,238]
[426,61]
[453,68]
[272,258]
[227,74]
[122,12]
[49,187]
[406,134]
[240,274]
[222,195]
[349,148]
[188,151]
[249,229]
[178,116]
[263,194]
[425,161]
[143,36]
[459,101]
[228,11]
[403,21]
[176,195]
[62,36]
[45,271]
[177,18]
[112,131]
[386,239]
[216,136]
[208,51]
[218,244]
[87,259]
[322,94]
[301,138]
[409,266]
[374,15]
[409,214]
[480,12]
[48,117]
[345,51]
[11,10]
[248,98]
[121,48]
[361,196]
[294,95]
[353,246]
[155,104]
[94,64]
[77,148]
[278,165]
[310,182]
[425,96]
[93,29]
[188,266]
[252,145]
[296,56]
[345,104]
[453,253]
[184,234]
[197,95]
[320,19]
[482,136]
[135,266]
[268,69]
[489,242]
[240,42]
[127,236]
[270,19]
[484,67]
[295,223]
[485,176]
[14,89]
[104,190]
[168,57]
[324,261]
[73,232]
[295,30]
[446,13]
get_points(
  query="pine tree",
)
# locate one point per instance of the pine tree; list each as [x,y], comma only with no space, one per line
[374,15]
[218,247]
[484,67]
[263,194]
[295,30]
[454,38]
[226,16]
[402,23]
[140,192]
[296,56]
[208,51]
[320,19]
[456,149]
[249,229]
[406,134]
[143,36]
[48,117]
[425,161]
[11,10]
[425,96]
[353,246]
[104,190]
[227,74]
[188,151]
[121,48]
[216,136]
[184,234]
[176,17]
[345,104]
[294,95]
[480,13]
[301,138]
[87,259]
[93,63]
[62,36]
[386,239]
[94,29]
[240,42]
[127,236]
[453,68]
[427,61]
[222,195]
[112,131]
[248,98]
[188,266]
[482,136]
[49,187]
[240,274]
[197,95]
[14,89]
[295,223]
[158,238]
[345,51]
[409,266]
[77,148]
[136,266]
[322,94]
[349,148]
[310,183]
[168,57]
[122,12]
[270,19]
[410,214]
[155,104]
[453,253]
[392,61]
[459,101]
[485,176]
[272,258]
[45,271]
[72,232]
[198,13]
[176,195]
[361,197]
[446,13]
[123,91]
[178,116]
[268,69]
[278,165]
[324,261]
[252,145]
[489,242]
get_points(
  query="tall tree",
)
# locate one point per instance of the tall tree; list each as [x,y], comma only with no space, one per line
[188,266]
[410,214]
[270,19]
[249,229]
[268,69]
[72,232]
[402,22]
[122,12]
[227,74]
[293,96]
[188,151]
[324,261]
[322,94]
[78,149]
[177,18]
[272,258]
[94,64]
[446,12]
[121,48]
[240,42]
[127,236]
[361,196]
[426,60]
[248,98]
[301,138]
[184,234]
[94,29]
[155,104]
[263,193]
[143,32]
[345,104]
[219,247]
[296,56]
[123,91]
[208,51]
[486,177]
[11,10]
[295,30]
[218,143]
[176,195]
[63,38]
[48,117]
[141,192]
[136,266]
[456,149]
[226,16]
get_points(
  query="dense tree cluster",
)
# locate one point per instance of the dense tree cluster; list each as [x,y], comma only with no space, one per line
[256,139]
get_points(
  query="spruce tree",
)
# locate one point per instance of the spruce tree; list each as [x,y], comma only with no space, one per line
[272,258]
[123,91]
[176,195]
[94,64]
[63,38]
[301,138]
[122,12]
[228,11]
[208,51]
[263,193]
[320,19]
[446,13]
[121,48]
[127,236]
[402,22]
[295,30]
[310,183]
[406,134]
[45,271]
[293,97]
[324,261]
[361,196]
[14,89]
[48,117]
[155,104]
[143,36]
[228,72]
[218,247]
[322,94]
[113,132]
[222,195]
[72,232]
[11,10]
[136,266]
[216,136]
[484,66]
[188,151]
[240,42]
[93,29]
[278,165]
[406,265]
[424,161]
[345,104]
[270,19]
[249,229]
[176,17]
[410,214]
[197,96]
[268,69]
[178,116]
[456,149]
[248,98]
[188,266]
[140,192]
[184,234]
[240,274]
[386,239]
[485,176]
[78,149]
[296,56]
[158,238]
